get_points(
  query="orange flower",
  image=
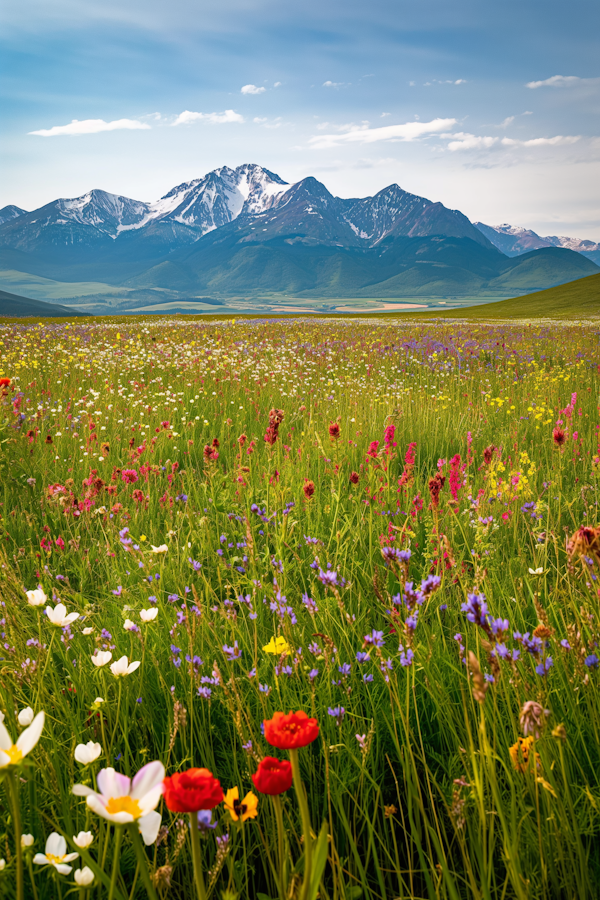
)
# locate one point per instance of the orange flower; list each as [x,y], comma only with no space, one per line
[520,752]
[288,732]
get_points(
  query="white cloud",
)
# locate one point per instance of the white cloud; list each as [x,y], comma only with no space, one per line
[277,84]
[507,121]
[562,81]
[334,84]
[252,89]
[464,141]
[543,142]
[92,126]
[187,117]
[258,120]
[362,134]
[460,81]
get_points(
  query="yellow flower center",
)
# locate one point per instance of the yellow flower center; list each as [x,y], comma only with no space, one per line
[124,804]
[14,754]
[53,859]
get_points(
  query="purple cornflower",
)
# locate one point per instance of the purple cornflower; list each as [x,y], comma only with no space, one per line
[375,639]
[591,661]
[544,667]
[232,653]
[476,609]
[337,713]
[310,604]
[205,822]
[362,657]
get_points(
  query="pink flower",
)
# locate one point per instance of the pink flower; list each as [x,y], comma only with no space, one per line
[129,476]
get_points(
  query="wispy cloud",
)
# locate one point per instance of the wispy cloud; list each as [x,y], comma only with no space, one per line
[252,89]
[335,84]
[464,141]
[362,134]
[561,81]
[92,126]
[224,118]
[543,142]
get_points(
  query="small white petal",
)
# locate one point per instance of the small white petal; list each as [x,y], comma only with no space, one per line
[83,877]
[25,717]
[84,839]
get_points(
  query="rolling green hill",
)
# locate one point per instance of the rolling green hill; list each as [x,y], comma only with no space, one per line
[13,305]
[575,300]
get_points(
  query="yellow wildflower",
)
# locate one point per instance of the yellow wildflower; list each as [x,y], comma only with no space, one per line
[277,646]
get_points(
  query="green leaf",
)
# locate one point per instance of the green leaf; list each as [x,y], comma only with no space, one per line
[319,860]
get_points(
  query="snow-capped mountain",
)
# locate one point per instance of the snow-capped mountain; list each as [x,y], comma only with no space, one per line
[10,212]
[513,240]
[183,215]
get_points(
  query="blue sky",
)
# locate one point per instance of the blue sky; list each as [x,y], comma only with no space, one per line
[491,108]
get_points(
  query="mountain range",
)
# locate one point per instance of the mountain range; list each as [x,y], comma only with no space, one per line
[513,240]
[245,236]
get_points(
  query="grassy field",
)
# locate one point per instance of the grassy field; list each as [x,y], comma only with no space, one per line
[389,526]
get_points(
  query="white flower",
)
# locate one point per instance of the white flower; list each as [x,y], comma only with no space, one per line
[58,616]
[123,667]
[87,630]
[97,702]
[56,854]
[12,754]
[2,864]
[84,840]
[2,717]
[128,625]
[25,717]
[162,549]
[26,840]
[37,597]
[121,800]
[84,876]
[148,615]
[536,571]
[87,753]
[101,658]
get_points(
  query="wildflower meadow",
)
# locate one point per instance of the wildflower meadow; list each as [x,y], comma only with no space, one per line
[299,608]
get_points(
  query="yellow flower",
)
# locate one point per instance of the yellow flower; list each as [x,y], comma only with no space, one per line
[277,646]
[519,754]
[244,809]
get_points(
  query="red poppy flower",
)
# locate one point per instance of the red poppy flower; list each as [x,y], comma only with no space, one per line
[273,776]
[192,790]
[4,382]
[291,730]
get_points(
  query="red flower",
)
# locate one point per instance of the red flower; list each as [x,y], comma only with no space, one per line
[4,382]
[354,477]
[273,776]
[559,437]
[287,732]
[334,431]
[309,489]
[192,790]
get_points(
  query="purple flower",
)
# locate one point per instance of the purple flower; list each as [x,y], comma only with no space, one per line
[264,689]
[313,674]
[337,713]
[406,658]
[232,653]
[362,657]
[591,661]
[310,604]
[205,692]
[375,638]
[367,678]
[544,667]
[476,609]
[345,668]
[205,822]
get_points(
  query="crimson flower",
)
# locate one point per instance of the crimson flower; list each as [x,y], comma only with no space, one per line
[192,790]
[273,776]
[290,731]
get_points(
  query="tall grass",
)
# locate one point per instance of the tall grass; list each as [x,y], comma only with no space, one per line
[414,775]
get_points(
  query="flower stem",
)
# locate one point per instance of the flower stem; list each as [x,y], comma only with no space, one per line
[14,797]
[115,865]
[305,815]
[142,860]
[276,801]
[197,858]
